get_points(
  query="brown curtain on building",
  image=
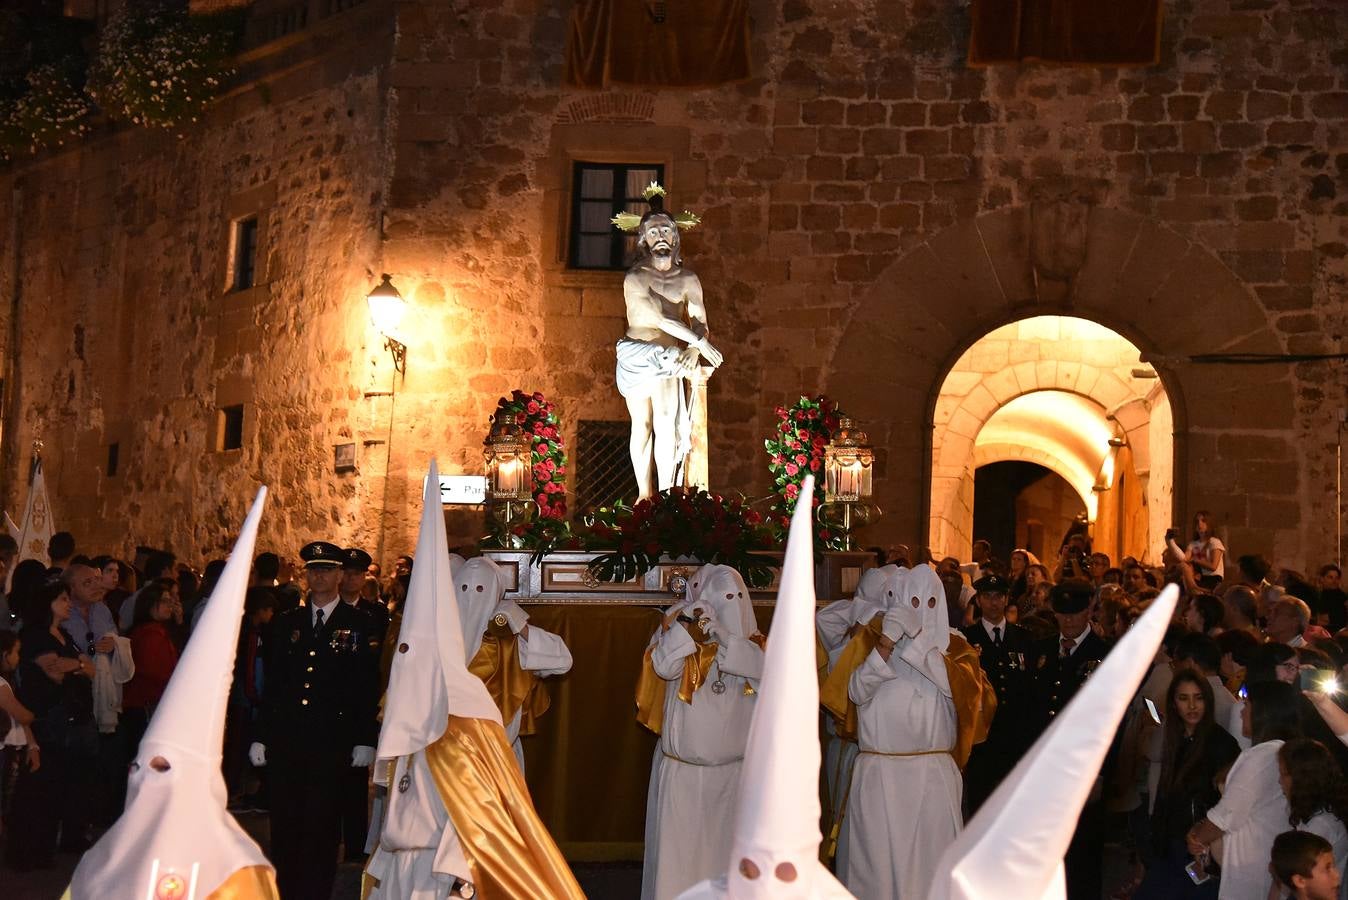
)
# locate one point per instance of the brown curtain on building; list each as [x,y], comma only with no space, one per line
[1080,32]
[589,763]
[698,43]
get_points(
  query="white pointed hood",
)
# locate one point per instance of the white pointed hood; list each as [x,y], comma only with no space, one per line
[1015,844]
[175,824]
[429,679]
[724,593]
[479,585]
[923,583]
[870,598]
[775,851]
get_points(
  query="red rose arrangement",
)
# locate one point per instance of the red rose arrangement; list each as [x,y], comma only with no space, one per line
[795,450]
[537,418]
[680,522]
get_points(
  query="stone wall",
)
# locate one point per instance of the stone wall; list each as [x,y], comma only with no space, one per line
[872,207]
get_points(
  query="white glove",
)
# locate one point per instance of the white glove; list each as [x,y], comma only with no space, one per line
[362,757]
[893,626]
[257,754]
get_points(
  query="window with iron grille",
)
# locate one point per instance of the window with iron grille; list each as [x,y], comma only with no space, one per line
[599,192]
[603,465]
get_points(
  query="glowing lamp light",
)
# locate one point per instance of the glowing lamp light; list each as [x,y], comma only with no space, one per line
[507,455]
[849,462]
[387,308]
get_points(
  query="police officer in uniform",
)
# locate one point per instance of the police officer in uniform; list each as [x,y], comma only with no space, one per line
[320,695]
[1007,654]
[356,799]
[1065,661]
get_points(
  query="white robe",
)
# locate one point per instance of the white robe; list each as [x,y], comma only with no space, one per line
[902,811]
[1252,812]
[545,654]
[694,788]
[833,622]
[419,855]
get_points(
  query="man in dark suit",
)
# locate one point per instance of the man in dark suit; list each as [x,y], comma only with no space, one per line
[356,799]
[1007,654]
[320,694]
[1065,661]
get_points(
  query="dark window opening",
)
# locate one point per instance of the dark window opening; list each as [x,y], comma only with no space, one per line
[599,192]
[231,428]
[245,253]
[114,450]
[604,465]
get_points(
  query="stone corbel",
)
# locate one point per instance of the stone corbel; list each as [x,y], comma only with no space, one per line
[1059,216]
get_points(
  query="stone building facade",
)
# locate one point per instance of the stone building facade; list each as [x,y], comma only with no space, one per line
[872,207]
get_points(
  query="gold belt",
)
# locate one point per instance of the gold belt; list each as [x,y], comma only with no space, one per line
[950,752]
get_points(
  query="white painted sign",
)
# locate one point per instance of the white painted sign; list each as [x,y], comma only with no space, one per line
[463,490]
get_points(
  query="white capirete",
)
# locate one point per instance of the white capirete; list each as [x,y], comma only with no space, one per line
[175,821]
[725,594]
[419,854]
[478,588]
[429,680]
[903,807]
[775,851]
[1014,846]
[690,805]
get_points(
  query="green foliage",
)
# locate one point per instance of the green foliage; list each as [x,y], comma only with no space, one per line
[159,66]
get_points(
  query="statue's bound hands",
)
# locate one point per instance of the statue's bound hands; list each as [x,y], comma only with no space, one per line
[710,353]
[687,363]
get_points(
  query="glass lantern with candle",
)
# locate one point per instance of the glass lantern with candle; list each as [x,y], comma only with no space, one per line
[849,463]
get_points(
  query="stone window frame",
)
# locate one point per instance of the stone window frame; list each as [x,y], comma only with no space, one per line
[607,142]
[252,204]
[233,391]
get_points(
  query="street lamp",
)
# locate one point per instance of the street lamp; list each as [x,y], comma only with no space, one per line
[849,465]
[387,308]
[509,486]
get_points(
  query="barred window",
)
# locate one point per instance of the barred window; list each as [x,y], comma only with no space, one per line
[603,465]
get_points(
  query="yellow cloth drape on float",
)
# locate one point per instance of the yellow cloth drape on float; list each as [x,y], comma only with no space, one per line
[512,687]
[248,883]
[511,853]
[975,701]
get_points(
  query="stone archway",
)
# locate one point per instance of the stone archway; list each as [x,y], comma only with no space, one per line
[1167,294]
[1050,390]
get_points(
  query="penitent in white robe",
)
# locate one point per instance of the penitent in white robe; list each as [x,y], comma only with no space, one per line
[545,654]
[902,811]
[419,855]
[690,806]
[832,623]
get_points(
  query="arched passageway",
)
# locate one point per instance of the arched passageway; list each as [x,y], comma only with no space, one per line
[1072,396]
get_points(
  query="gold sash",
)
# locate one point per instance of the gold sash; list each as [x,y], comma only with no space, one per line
[975,701]
[511,686]
[507,847]
[651,687]
[248,883]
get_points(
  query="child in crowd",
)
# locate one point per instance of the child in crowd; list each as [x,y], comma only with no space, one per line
[1303,867]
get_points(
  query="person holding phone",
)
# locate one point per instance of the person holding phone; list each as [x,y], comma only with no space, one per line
[1194,748]
[1253,809]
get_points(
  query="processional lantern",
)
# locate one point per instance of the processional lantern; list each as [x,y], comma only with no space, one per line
[509,483]
[849,466]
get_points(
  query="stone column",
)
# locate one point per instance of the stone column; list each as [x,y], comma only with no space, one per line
[696,467]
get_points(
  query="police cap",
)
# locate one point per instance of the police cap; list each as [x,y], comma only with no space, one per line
[321,555]
[356,559]
[1073,595]
[992,584]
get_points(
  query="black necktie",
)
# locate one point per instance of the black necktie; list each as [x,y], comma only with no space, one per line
[318,619]
[996,635]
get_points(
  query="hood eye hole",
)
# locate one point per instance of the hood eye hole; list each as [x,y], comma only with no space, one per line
[730,596]
[931,602]
[891,593]
[479,588]
[785,872]
[463,587]
[739,593]
[748,869]
[916,603]
[159,764]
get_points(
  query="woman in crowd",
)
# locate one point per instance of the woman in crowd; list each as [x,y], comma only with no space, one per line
[56,683]
[1194,749]
[1316,794]
[1206,552]
[156,655]
[119,580]
[18,749]
[1253,810]
[1204,614]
